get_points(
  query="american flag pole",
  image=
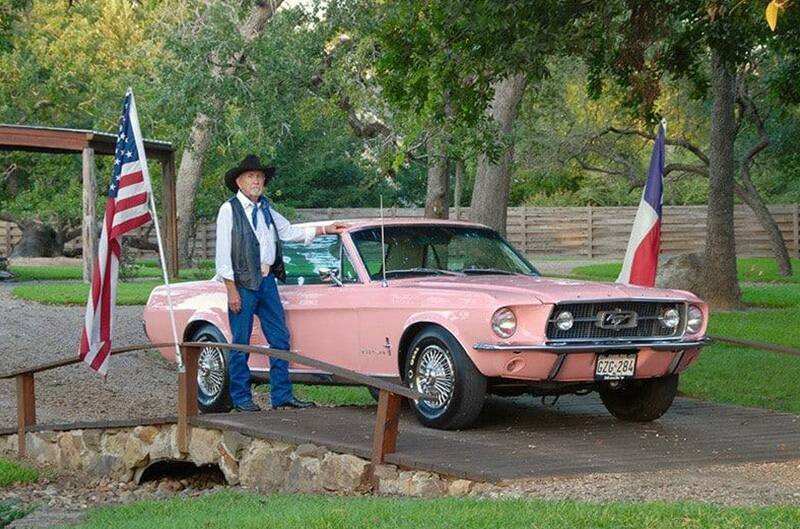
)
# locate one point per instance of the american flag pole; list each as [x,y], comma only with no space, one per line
[140,146]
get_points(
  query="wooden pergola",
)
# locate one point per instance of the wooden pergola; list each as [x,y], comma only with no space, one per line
[88,143]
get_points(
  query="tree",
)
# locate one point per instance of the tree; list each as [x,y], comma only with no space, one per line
[222,63]
[706,42]
[65,67]
[464,66]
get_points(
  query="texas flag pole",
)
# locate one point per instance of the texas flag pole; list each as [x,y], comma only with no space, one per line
[641,258]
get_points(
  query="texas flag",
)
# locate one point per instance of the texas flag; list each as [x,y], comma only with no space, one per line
[641,259]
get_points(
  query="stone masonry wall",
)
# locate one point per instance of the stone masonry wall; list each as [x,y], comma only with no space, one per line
[271,466]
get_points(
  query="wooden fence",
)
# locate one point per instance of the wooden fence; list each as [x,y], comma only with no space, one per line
[593,232]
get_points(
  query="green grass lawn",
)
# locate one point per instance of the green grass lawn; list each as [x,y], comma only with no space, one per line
[750,377]
[245,510]
[330,395]
[55,273]
[146,269]
[131,293]
[750,269]
[11,472]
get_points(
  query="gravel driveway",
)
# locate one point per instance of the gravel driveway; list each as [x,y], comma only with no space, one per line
[139,384]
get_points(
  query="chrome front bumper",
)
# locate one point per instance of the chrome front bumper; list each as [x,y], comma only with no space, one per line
[599,346]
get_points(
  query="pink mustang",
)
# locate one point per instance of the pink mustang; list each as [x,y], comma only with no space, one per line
[453,310]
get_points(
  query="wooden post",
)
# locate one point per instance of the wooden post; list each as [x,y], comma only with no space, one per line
[187,396]
[385,439]
[26,409]
[524,230]
[590,231]
[89,225]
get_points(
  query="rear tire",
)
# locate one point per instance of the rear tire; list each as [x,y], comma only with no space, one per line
[437,363]
[213,383]
[640,400]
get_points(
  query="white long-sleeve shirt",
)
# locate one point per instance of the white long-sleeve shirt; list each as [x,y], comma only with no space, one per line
[266,237]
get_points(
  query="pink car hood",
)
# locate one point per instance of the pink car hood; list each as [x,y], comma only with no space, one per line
[547,291]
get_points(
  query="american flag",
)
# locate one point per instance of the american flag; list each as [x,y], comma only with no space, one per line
[126,209]
[641,259]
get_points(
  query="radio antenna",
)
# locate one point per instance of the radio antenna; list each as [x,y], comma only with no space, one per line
[383,249]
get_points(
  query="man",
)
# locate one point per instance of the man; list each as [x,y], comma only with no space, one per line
[249,261]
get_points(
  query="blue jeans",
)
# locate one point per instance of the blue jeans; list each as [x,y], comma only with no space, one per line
[266,304]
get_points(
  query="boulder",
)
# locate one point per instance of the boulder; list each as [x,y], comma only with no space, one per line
[344,472]
[310,450]
[228,465]
[682,272]
[304,475]
[40,450]
[146,433]
[235,443]
[165,444]
[92,439]
[69,446]
[203,446]
[425,485]
[459,487]
[265,465]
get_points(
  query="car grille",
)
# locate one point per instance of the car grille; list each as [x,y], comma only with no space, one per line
[587,315]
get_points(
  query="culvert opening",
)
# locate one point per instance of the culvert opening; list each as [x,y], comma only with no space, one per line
[179,475]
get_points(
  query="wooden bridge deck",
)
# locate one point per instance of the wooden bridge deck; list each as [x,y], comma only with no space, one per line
[521,438]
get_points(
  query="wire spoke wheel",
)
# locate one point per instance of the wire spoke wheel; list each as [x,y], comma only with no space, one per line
[437,365]
[211,371]
[435,375]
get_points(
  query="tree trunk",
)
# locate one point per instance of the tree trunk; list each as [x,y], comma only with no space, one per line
[190,170]
[436,199]
[459,187]
[750,196]
[492,182]
[722,286]
[38,240]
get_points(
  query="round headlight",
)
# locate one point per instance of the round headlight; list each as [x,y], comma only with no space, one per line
[565,320]
[504,323]
[671,318]
[694,319]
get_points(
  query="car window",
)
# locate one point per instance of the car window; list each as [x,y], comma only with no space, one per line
[303,262]
[371,255]
[438,250]
[348,271]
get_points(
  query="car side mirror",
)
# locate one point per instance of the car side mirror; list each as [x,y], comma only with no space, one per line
[330,275]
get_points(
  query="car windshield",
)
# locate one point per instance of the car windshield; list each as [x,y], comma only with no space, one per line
[438,250]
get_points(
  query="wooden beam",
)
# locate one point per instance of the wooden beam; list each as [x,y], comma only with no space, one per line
[26,409]
[337,371]
[187,395]
[89,224]
[75,360]
[384,441]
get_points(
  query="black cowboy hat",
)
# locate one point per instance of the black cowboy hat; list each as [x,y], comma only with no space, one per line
[250,163]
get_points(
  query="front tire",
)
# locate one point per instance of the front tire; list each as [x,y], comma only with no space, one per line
[437,364]
[213,383]
[640,400]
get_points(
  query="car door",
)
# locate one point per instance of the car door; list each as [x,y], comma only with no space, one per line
[320,315]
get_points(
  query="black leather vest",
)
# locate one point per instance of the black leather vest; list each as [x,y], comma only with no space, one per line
[246,251]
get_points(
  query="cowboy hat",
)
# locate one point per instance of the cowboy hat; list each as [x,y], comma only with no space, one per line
[250,163]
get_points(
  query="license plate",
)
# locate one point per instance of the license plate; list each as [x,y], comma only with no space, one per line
[615,366]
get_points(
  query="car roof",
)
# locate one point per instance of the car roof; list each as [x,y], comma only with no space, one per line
[393,221]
